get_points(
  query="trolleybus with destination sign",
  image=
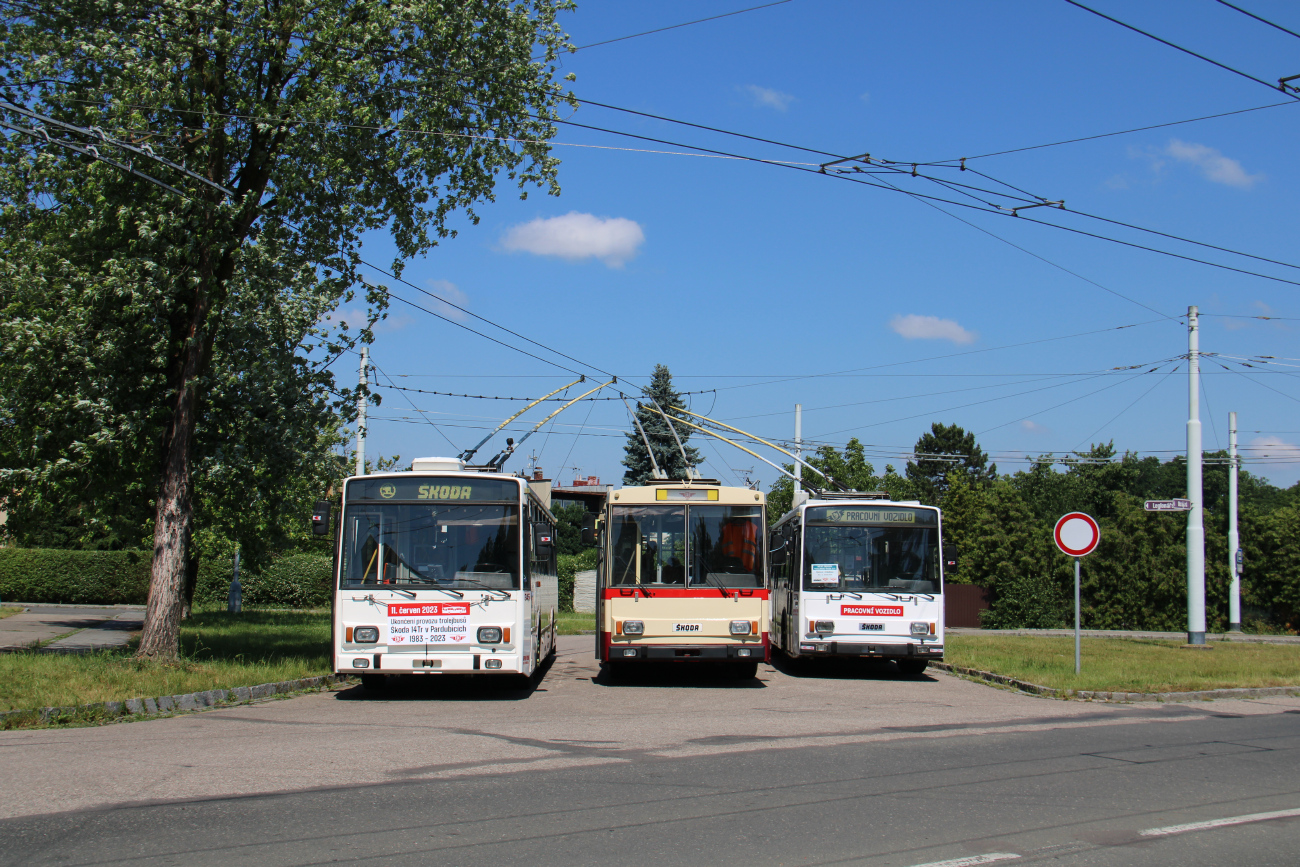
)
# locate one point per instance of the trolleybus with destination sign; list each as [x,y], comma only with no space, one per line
[858,576]
[440,570]
[682,576]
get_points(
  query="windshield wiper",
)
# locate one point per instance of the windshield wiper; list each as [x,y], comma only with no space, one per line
[429,582]
[505,594]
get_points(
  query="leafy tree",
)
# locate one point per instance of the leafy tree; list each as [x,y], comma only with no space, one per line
[568,528]
[849,467]
[943,452]
[667,455]
[1007,551]
[323,120]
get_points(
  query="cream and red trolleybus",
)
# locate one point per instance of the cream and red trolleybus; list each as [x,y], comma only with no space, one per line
[857,575]
[682,576]
[442,571]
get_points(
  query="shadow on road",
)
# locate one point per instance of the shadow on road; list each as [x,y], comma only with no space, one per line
[451,687]
[844,669]
[675,675]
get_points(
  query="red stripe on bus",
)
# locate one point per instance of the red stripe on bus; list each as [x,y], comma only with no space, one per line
[686,593]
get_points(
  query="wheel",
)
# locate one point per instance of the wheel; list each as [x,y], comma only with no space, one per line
[743,670]
[912,666]
[374,682]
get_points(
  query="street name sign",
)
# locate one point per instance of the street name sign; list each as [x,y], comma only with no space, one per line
[1168,505]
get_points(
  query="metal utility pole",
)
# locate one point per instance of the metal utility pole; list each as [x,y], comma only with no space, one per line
[798,447]
[1234,539]
[1195,520]
[361,412]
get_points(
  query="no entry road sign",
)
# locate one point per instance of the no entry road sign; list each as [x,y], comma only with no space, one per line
[1168,505]
[1077,534]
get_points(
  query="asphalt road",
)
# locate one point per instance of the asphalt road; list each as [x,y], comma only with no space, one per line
[797,767]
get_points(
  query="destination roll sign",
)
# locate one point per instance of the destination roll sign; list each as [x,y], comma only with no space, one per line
[442,489]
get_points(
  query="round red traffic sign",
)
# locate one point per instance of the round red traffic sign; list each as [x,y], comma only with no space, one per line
[1077,534]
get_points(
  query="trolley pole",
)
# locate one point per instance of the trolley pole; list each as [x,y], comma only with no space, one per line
[798,450]
[1195,519]
[1078,656]
[1234,539]
[361,412]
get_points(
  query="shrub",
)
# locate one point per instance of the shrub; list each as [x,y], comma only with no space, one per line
[569,566]
[79,577]
[294,581]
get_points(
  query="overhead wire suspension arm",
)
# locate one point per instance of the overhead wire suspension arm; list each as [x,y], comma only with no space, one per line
[686,462]
[469,453]
[658,473]
[717,435]
[798,460]
[505,453]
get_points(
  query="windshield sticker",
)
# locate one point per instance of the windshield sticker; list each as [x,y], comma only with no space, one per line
[428,623]
[825,573]
[872,610]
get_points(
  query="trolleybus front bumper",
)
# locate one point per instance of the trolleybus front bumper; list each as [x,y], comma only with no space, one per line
[620,651]
[874,651]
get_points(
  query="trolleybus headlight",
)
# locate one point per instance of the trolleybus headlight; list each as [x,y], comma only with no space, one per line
[492,663]
[824,627]
[361,663]
[920,629]
[365,634]
[633,627]
[489,635]
[740,627]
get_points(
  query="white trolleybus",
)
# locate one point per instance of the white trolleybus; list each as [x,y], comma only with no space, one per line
[442,571]
[856,575]
[682,576]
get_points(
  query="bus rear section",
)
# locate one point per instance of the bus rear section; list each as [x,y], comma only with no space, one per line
[683,577]
[859,578]
[452,573]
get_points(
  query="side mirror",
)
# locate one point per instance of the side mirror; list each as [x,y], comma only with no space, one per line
[320,518]
[950,558]
[589,528]
[543,540]
[778,555]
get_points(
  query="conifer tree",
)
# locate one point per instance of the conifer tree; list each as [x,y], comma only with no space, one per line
[667,455]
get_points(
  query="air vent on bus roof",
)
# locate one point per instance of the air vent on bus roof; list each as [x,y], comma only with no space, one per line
[437,465]
[853,495]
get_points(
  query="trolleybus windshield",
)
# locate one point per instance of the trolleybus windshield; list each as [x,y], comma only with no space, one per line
[890,550]
[687,546]
[453,546]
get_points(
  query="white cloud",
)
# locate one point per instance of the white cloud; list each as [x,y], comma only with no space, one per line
[765,97]
[575,236]
[1213,164]
[915,327]
[355,319]
[1034,427]
[1272,447]
[865,96]
[447,290]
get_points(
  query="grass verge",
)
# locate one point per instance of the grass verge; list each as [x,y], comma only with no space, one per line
[1127,665]
[218,651]
[10,611]
[576,623]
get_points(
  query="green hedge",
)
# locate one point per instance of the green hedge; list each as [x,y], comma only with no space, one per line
[81,577]
[122,578]
[569,565]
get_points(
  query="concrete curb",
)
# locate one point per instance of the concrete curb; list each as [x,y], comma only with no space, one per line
[167,705]
[1094,695]
[116,607]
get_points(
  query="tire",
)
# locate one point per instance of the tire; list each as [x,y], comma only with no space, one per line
[743,670]
[374,682]
[912,667]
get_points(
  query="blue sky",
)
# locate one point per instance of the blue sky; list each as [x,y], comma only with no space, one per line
[753,282]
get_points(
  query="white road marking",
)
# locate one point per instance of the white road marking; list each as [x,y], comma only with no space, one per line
[971,860]
[1220,823]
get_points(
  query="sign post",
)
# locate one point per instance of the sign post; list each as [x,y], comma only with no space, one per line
[1077,534]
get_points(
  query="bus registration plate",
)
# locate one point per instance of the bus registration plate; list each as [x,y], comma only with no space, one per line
[688,627]
[428,623]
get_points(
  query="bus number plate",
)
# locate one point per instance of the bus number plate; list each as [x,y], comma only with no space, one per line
[687,627]
[871,627]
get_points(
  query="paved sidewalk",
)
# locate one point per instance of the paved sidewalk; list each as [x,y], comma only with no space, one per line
[1210,638]
[69,629]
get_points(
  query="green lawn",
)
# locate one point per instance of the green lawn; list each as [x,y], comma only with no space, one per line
[573,623]
[1127,665]
[218,651]
[10,611]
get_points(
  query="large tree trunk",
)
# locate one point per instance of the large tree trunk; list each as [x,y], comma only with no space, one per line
[173,527]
